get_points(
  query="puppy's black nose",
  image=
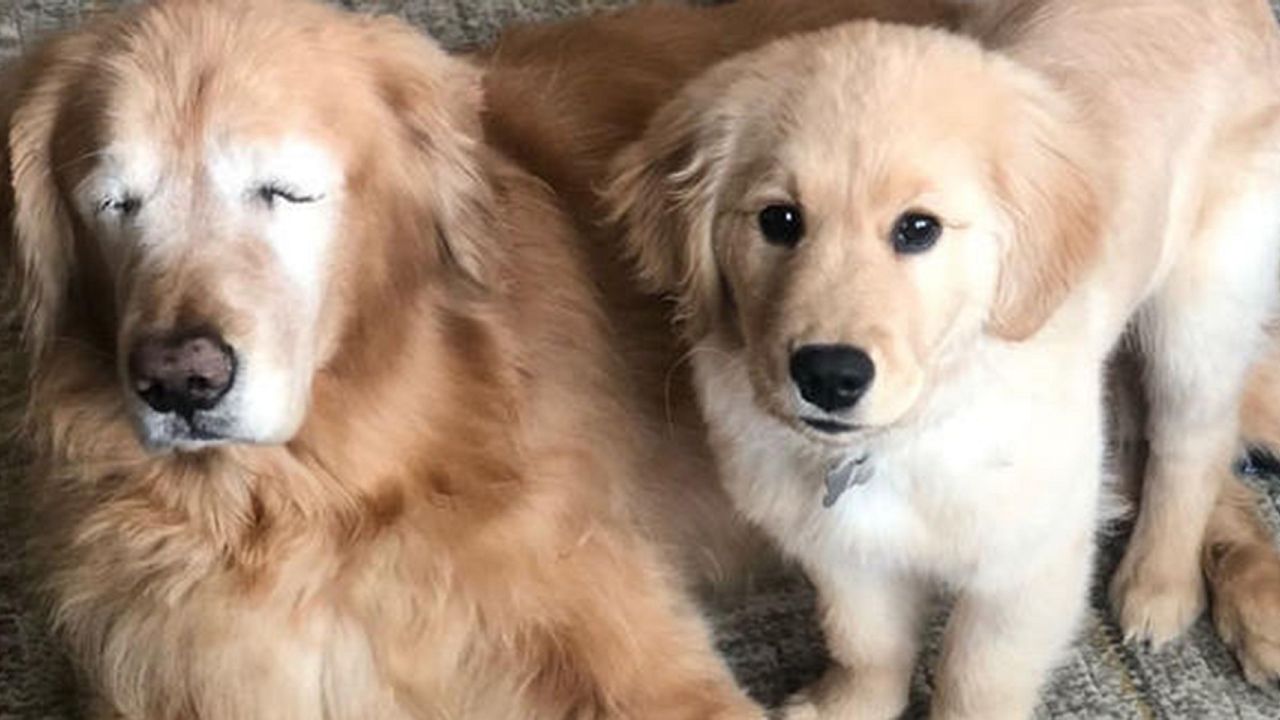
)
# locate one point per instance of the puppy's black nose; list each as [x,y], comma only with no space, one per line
[832,377]
[182,373]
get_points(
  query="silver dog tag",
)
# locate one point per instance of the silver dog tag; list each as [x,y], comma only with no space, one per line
[844,474]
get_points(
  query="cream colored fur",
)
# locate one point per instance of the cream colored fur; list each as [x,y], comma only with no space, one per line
[1094,171]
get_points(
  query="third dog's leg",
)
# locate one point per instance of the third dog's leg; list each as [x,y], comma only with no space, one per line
[1242,565]
[1241,560]
[1200,334]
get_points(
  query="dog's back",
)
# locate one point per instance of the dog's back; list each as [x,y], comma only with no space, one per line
[1183,99]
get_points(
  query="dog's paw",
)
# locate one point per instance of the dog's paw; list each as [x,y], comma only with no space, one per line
[799,707]
[1155,606]
[839,694]
[1245,584]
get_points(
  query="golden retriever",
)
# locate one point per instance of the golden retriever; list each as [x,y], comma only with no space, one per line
[902,259]
[324,416]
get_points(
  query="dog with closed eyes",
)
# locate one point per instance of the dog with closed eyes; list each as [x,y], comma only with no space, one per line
[902,258]
[323,413]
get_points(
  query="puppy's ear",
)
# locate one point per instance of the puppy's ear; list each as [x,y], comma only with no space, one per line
[662,195]
[35,228]
[1052,203]
[436,100]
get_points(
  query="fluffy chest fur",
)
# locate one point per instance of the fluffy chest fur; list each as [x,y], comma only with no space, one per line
[177,579]
[958,493]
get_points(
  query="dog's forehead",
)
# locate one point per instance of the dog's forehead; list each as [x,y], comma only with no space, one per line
[878,148]
[155,111]
[184,94]
[865,90]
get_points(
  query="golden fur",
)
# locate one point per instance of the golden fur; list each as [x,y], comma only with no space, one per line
[455,528]
[1044,156]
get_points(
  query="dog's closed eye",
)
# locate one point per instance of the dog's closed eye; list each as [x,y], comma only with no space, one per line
[123,205]
[273,192]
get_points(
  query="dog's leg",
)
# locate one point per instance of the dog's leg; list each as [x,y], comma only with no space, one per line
[1260,408]
[872,624]
[1242,565]
[1240,559]
[1200,334]
[1002,642]
[636,648]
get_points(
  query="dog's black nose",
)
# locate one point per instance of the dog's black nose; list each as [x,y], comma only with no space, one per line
[832,377]
[182,373]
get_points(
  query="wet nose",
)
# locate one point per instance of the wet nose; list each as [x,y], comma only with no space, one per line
[832,377]
[182,372]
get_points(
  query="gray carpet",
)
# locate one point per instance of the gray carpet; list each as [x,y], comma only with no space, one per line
[770,638]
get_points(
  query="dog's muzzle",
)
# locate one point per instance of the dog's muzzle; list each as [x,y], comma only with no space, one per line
[182,373]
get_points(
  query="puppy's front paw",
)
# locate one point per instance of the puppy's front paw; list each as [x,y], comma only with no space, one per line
[872,695]
[1245,582]
[1153,601]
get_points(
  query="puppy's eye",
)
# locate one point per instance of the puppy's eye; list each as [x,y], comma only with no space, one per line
[124,205]
[271,193]
[782,225]
[915,232]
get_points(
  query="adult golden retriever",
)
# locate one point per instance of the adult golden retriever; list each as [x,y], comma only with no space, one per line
[327,417]
[324,416]
[902,260]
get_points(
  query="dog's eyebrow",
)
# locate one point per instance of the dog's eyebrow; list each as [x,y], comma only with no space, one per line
[89,155]
[761,176]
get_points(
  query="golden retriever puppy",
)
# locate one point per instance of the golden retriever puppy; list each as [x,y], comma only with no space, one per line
[902,260]
[563,99]
[323,413]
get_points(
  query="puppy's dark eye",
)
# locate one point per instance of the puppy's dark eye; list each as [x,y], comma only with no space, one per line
[274,192]
[782,225]
[915,232]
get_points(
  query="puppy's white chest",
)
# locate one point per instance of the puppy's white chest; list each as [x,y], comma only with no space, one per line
[943,498]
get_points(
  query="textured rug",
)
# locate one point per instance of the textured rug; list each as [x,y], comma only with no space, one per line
[769,638]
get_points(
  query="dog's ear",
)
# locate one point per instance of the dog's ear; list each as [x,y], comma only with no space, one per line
[1041,177]
[35,227]
[436,100]
[662,195]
